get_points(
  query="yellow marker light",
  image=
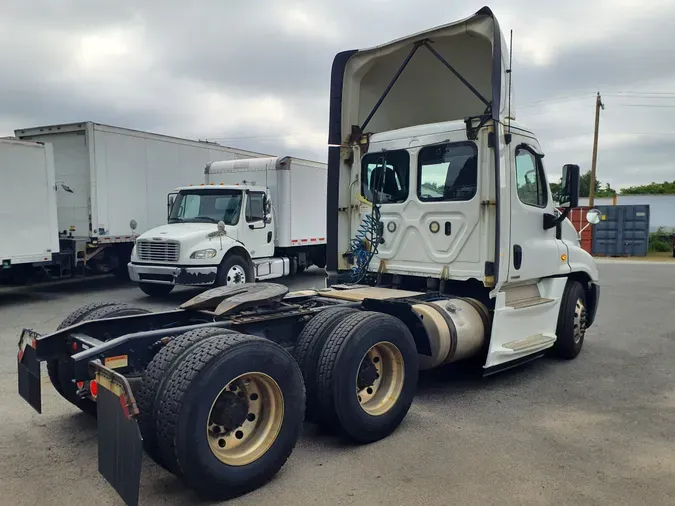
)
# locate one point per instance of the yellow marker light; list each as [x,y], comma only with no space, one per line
[563,258]
[212,183]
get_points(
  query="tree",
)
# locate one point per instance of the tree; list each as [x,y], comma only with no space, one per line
[665,188]
[584,188]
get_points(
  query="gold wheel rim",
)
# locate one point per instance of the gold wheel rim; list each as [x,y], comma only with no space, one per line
[245,419]
[378,391]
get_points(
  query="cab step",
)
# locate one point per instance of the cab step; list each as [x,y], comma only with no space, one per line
[530,302]
[529,343]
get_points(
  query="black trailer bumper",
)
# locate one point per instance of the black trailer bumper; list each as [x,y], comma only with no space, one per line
[120,445]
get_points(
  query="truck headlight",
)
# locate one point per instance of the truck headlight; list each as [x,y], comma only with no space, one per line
[204,253]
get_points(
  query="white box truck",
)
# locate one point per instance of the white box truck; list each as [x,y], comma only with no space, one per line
[251,219]
[111,185]
[28,230]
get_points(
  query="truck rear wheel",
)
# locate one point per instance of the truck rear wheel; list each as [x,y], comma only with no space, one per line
[308,350]
[75,317]
[154,381]
[156,289]
[230,415]
[367,376]
[61,370]
[571,328]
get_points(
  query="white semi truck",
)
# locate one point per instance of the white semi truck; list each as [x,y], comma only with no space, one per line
[111,185]
[443,244]
[27,208]
[253,219]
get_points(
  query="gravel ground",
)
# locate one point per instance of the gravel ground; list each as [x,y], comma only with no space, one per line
[597,430]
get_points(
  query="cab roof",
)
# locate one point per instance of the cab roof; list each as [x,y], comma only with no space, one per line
[221,186]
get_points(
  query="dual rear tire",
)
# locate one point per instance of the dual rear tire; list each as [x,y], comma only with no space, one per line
[221,410]
[360,370]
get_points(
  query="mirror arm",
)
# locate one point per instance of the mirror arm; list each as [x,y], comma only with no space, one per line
[550,221]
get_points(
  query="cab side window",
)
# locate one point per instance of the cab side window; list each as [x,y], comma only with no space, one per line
[255,207]
[530,180]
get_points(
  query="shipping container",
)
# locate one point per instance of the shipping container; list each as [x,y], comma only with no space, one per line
[577,217]
[622,231]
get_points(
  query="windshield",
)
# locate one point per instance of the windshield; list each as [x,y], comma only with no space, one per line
[209,206]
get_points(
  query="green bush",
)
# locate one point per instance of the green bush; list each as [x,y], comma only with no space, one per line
[660,241]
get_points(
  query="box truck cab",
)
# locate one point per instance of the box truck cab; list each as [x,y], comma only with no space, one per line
[225,233]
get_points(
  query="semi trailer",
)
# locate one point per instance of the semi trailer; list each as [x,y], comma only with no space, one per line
[110,186]
[28,208]
[253,219]
[443,244]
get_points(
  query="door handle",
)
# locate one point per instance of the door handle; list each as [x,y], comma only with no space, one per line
[448,228]
[517,256]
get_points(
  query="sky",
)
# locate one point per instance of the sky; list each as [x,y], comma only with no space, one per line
[255,75]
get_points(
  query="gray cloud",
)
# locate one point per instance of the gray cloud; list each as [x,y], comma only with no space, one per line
[256,75]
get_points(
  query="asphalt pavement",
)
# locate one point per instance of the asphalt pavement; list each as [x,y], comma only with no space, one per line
[596,430]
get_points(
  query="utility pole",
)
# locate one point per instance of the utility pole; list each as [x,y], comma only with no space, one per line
[598,105]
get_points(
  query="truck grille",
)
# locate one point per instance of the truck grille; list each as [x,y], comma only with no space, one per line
[156,251]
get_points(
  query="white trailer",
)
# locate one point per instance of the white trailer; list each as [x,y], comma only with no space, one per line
[28,233]
[111,186]
[252,219]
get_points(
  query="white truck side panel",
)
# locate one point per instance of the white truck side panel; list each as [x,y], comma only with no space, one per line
[135,171]
[117,175]
[298,191]
[308,202]
[71,168]
[27,202]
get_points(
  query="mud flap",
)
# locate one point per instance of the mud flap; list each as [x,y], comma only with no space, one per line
[120,447]
[30,388]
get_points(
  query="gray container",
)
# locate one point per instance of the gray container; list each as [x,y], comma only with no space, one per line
[622,231]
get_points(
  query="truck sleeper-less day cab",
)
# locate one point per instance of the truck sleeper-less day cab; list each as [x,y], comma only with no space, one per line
[443,244]
[253,219]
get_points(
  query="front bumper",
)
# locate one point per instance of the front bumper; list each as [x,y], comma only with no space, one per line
[172,275]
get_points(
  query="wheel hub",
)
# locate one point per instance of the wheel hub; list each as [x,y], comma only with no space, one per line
[245,419]
[368,373]
[379,381]
[580,317]
[230,411]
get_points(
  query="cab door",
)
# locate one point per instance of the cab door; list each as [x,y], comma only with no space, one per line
[535,252]
[254,232]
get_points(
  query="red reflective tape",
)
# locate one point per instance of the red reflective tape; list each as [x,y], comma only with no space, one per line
[322,238]
[303,240]
[117,238]
[125,408]
[313,239]
[294,240]
[20,354]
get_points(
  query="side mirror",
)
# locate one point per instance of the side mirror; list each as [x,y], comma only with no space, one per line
[221,227]
[569,194]
[133,225]
[593,216]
